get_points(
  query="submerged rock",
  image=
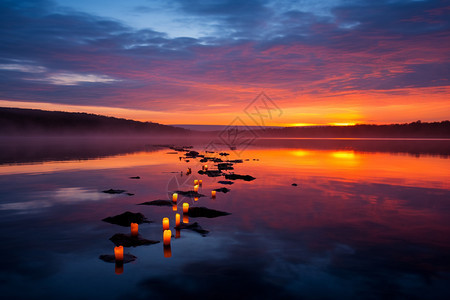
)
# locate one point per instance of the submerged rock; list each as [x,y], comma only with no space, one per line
[112,259]
[112,191]
[211,173]
[236,161]
[197,212]
[135,177]
[224,154]
[194,227]
[222,190]
[225,166]
[128,240]
[237,176]
[158,203]
[225,182]
[126,219]
[191,194]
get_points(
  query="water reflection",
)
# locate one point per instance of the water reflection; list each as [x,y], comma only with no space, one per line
[356,225]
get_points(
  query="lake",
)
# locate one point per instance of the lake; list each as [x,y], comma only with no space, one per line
[324,219]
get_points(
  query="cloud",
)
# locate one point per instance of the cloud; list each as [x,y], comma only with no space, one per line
[287,48]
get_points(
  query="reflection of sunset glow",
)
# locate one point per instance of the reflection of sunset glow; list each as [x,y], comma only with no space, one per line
[344,154]
[300,153]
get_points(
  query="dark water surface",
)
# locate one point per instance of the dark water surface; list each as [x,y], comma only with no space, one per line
[367,220]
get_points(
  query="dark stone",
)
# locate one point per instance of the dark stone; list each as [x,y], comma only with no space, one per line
[127,240]
[224,154]
[225,182]
[112,259]
[203,160]
[191,194]
[126,219]
[192,154]
[225,166]
[130,194]
[194,227]
[197,212]
[294,184]
[211,173]
[135,177]
[111,191]
[222,190]
[158,203]
[236,161]
[237,176]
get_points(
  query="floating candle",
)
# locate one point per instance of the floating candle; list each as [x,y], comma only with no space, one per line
[206,167]
[185,207]
[118,253]
[185,219]
[195,182]
[174,207]
[213,194]
[166,237]
[134,229]
[177,220]
[174,197]
[165,223]
[196,188]
[196,199]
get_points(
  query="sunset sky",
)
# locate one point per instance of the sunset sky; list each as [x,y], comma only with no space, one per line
[203,62]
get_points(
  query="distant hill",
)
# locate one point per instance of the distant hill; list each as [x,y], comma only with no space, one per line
[409,130]
[17,121]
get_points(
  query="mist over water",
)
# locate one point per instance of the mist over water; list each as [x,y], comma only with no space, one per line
[366,219]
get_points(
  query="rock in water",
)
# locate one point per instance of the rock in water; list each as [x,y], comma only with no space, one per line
[225,182]
[158,203]
[237,176]
[112,259]
[194,227]
[222,190]
[197,212]
[112,191]
[127,240]
[126,219]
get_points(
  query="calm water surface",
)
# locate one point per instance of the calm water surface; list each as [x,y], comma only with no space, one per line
[365,221]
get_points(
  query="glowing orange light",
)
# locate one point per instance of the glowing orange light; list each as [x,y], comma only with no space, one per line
[213,194]
[177,220]
[185,207]
[118,253]
[166,237]
[174,197]
[134,229]
[165,223]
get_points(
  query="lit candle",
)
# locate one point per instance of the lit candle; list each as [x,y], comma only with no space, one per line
[206,167]
[195,182]
[165,223]
[118,253]
[174,197]
[185,219]
[196,199]
[196,188]
[134,229]
[213,194]
[174,207]
[177,220]
[185,207]
[166,237]
[167,251]
[200,182]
